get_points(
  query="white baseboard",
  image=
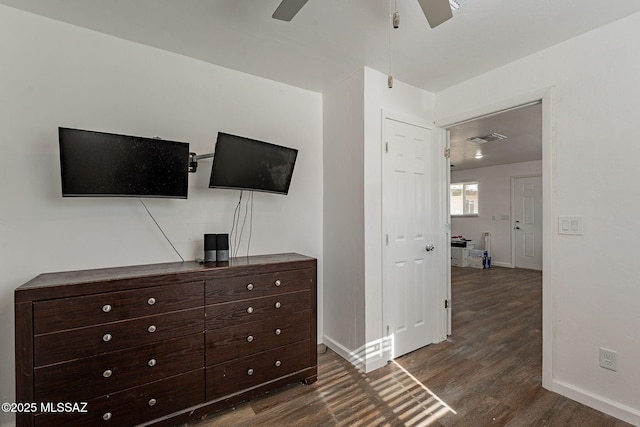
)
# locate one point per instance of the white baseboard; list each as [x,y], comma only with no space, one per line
[502,264]
[595,401]
[344,352]
[366,358]
[376,362]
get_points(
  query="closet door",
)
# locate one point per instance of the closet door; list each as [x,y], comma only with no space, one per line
[414,240]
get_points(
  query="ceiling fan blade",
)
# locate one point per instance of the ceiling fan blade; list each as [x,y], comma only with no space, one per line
[436,11]
[288,9]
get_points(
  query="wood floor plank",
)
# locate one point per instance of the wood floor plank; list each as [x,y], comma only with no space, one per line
[488,373]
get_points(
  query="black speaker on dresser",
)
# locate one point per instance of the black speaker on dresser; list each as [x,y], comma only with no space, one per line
[210,247]
[222,247]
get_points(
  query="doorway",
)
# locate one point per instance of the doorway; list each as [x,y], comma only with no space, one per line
[487,154]
[544,98]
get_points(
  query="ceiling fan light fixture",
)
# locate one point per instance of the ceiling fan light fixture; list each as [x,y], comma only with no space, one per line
[436,11]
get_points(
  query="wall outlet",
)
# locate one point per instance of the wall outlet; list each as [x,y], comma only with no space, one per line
[608,359]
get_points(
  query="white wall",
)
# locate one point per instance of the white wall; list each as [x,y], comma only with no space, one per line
[53,74]
[590,285]
[494,203]
[343,258]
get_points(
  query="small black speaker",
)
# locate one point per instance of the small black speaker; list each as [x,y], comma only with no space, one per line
[210,247]
[222,247]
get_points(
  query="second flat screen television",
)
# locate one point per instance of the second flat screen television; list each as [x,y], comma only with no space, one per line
[248,164]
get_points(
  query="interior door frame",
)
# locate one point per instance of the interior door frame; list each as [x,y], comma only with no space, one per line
[545,95]
[447,215]
[443,273]
[513,211]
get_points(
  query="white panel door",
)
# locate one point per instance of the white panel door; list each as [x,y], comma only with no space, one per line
[411,202]
[527,224]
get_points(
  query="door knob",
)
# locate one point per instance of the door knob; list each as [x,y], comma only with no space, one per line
[430,248]
[516,228]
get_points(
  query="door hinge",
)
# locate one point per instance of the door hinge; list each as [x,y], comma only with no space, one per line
[447,152]
[446,303]
[386,147]
[387,239]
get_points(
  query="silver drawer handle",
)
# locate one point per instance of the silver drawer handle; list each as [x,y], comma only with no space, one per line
[250,372]
[152,402]
[278,282]
[106,337]
[151,301]
[278,331]
[278,363]
[107,373]
[106,308]
[250,310]
[278,305]
[152,362]
[106,416]
[250,287]
[250,338]
[151,329]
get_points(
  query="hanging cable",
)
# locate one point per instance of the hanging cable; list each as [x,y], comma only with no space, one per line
[244,221]
[250,225]
[160,228]
[234,226]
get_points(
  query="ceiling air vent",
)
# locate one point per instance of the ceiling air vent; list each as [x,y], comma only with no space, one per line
[486,138]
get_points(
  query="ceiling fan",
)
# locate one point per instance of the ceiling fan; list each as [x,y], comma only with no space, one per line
[436,11]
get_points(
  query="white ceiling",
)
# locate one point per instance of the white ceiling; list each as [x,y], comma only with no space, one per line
[522,127]
[329,39]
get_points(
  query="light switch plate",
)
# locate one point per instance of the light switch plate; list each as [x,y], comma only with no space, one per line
[570,225]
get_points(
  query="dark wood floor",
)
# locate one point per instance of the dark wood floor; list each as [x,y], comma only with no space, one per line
[487,373]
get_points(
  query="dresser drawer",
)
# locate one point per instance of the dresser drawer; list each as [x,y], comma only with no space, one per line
[256,285]
[133,406]
[83,342]
[254,370]
[67,313]
[83,379]
[233,313]
[242,340]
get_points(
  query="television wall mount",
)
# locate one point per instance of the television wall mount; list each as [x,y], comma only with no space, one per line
[193,160]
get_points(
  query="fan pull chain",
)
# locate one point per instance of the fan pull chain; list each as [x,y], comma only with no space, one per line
[390,77]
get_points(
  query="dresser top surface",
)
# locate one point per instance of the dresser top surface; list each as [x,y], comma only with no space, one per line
[136,272]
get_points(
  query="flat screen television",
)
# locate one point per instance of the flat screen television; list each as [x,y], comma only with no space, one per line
[110,165]
[248,164]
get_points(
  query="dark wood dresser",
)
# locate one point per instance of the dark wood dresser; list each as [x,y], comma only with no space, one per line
[162,343]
